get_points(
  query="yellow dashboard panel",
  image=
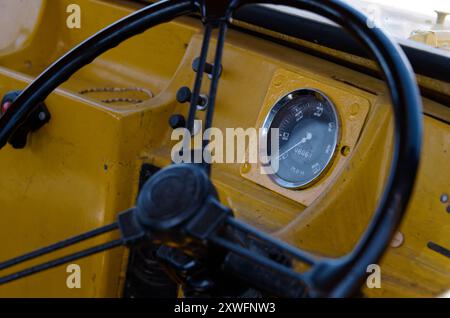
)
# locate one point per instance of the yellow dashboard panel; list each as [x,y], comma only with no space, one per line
[352,111]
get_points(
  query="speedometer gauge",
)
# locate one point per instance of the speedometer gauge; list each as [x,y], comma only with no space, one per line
[308,134]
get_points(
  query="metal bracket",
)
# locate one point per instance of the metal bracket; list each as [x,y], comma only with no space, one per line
[38,118]
[215,11]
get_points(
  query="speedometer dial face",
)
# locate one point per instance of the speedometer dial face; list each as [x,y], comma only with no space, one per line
[308,133]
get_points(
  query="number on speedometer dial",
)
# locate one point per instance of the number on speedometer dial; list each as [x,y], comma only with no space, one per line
[308,128]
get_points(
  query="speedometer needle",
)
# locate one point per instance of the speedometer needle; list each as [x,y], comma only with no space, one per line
[308,137]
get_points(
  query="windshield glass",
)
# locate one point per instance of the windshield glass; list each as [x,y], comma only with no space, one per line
[421,21]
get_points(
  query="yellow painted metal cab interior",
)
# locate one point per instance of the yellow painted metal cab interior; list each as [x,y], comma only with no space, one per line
[109,129]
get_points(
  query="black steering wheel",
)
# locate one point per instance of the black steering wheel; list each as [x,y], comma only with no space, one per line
[198,224]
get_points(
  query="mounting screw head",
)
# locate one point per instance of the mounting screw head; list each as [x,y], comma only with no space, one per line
[184,95]
[177,121]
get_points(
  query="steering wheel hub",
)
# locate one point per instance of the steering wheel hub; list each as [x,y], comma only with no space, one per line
[172,196]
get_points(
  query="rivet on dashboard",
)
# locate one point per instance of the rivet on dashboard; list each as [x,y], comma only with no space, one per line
[398,240]
[444,197]
[42,116]
[354,109]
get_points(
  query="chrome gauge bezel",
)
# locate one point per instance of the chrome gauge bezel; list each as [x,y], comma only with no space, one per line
[282,102]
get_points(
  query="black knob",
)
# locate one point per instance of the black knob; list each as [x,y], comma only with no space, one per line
[7,101]
[177,121]
[184,95]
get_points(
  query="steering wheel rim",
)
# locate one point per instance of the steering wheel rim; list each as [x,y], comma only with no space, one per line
[341,276]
